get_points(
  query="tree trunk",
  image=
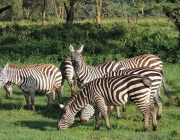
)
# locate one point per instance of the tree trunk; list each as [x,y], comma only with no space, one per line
[5,8]
[70,12]
[44,14]
[98,11]
[59,10]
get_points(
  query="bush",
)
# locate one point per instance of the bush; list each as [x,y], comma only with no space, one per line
[102,42]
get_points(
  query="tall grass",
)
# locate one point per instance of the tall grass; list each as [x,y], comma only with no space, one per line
[17,123]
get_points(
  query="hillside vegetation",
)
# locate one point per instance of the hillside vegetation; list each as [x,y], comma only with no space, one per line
[110,41]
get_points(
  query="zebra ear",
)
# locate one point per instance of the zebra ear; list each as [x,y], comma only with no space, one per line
[71,48]
[61,106]
[80,49]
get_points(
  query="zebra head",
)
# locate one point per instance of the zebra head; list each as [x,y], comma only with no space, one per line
[3,75]
[76,57]
[67,118]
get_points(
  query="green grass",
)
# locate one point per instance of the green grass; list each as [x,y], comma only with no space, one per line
[17,123]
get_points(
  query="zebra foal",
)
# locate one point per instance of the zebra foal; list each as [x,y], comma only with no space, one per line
[38,78]
[111,91]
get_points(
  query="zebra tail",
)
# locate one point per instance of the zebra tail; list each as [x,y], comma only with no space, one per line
[166,89]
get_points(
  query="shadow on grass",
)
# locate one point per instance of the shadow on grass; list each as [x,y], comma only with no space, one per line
[40,125]
[46,125]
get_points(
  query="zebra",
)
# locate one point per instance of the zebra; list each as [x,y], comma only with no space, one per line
[68,73]
[111,91]
[147,60]
[86,73]
[37,78]
[154,75]
[156,80]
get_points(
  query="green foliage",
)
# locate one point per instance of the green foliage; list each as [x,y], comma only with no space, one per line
[19,43]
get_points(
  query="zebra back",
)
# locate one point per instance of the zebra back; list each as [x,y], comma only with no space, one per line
[146,61]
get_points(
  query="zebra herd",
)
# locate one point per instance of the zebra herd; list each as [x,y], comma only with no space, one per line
[111,84]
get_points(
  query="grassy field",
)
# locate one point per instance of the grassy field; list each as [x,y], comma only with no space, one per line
[17,123]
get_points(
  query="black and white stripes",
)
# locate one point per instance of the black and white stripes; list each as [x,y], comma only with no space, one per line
[86,73]
[68,73]
[111,91]
[39,78]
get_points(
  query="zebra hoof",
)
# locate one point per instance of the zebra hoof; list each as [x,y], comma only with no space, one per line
[118,117]
[159,117]
[154,128]
[145,129]
[96,128]
[109,127]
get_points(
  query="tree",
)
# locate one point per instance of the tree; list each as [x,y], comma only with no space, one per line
[5,8]
[59,9]
[171,8]
[44,13]
[98,11]
[70,11]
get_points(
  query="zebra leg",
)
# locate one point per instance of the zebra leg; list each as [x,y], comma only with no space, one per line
[153,114]
[32,94]
[117,112]
[53,95]
[158,100]
[97,118]
[103,110]
[26,96]
[58,91]
[124,108]
[110,108]
[146,119]
[49,95]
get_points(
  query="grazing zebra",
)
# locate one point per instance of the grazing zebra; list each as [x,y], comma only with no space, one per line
[68,73]
[111,91]
[38,78]
[9,90]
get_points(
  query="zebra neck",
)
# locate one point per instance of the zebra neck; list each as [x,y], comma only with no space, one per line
[13,75]
[78,101]
[81,70]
